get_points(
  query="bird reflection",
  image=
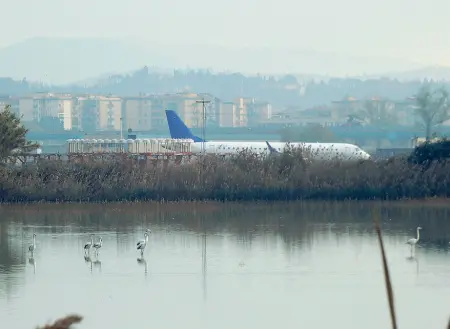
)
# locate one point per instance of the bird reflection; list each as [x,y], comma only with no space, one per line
[142,261]
[88,260]
[93,263]
[413,258]
[32,262]
[98,264]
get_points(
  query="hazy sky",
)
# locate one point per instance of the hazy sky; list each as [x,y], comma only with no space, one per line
[411,29]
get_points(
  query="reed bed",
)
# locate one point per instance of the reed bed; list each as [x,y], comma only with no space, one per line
[244,177]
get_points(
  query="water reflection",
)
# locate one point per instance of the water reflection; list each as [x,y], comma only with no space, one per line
[32,262]
[261,263]
[97,264]
[142,261]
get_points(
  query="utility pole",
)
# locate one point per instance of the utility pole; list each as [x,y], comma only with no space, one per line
[203,102]
[121,128]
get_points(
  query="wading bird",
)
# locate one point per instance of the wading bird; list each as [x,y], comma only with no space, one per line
[32,247]
[412,242]
[98,244]
[142,243]
[88,245]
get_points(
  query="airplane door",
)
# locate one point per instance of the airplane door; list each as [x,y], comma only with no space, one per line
[211,149]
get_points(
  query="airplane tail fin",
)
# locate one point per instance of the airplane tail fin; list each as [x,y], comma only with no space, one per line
[271,149]
[178,129]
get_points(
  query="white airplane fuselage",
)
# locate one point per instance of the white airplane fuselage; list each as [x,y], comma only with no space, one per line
[317,151]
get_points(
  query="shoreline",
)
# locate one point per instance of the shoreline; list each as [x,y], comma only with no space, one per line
[441,202]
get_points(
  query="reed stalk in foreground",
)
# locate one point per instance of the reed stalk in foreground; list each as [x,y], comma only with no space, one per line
[63,323]
[387,278]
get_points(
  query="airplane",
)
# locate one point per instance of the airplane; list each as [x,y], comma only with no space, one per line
[318,151]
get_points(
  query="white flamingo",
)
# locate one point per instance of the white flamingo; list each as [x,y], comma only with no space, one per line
[88,245]
[143,243]
[98,245]
[412,242]
[32,247]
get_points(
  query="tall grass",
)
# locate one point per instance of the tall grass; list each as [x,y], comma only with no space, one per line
[242,177]
[387,277]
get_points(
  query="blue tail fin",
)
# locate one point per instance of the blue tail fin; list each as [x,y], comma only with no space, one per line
[271,149]
[178,129]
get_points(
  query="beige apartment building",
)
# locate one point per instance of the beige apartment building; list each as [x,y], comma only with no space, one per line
[96,113]
[242,106]
[228,116]
[137,113]
[237,114]
[109,113]
[187,107]
[37,106]
[142,113]
[89,113]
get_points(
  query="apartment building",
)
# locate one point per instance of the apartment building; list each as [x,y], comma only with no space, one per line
[46,105]
[257,112]
[92,113]
[228,116]
[137,113]
[109,114]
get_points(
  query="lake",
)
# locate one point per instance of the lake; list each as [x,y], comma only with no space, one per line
[221,266]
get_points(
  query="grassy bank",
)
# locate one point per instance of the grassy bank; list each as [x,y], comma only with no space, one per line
[243,177]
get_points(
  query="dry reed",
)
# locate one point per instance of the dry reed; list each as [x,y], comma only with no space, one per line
[387,278]
[244,177]
[64,323]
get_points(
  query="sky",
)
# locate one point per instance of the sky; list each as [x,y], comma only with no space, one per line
[417,30]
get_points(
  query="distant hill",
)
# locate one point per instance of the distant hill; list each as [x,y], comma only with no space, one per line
[299,62]
[67,60]
[429,72]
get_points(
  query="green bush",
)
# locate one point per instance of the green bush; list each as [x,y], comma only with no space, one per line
[428,152]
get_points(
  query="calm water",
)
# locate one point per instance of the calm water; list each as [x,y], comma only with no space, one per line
[215,266]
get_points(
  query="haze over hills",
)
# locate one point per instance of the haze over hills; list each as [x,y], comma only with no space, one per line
[65,60]
[68,60]
[436,72]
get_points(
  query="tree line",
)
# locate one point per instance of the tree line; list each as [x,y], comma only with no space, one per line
[281,91]
[431,107]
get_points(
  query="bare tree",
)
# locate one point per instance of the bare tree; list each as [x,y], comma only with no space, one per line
[376,112]
[432,107]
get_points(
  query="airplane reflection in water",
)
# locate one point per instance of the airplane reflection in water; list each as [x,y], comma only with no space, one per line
[317,151]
